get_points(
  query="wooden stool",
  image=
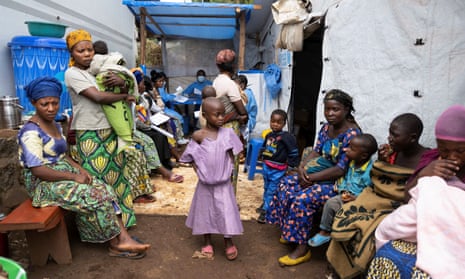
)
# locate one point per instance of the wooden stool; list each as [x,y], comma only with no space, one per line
[45,230]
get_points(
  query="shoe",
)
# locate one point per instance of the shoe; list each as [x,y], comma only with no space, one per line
[283,241]
[318,240]
[183,141]
[231,252]
[261,218]
[259,209]
[125,254]
[287,261]
[208,251]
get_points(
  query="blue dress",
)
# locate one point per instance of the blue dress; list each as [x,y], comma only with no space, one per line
[293,207]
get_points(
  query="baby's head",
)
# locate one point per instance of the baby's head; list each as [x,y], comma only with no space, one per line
[100,47]
[213,111]
[208,91]
[242,81]
[405,131]
[361,148]
[278,120]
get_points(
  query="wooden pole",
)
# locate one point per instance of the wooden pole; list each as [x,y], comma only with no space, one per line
[241,40]
[143,37]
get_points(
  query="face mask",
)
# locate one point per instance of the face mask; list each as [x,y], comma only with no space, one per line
[200,78]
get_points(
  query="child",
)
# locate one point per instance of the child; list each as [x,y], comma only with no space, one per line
[214,208]
[357,177]
[250,105]
[279,154]
[207,91]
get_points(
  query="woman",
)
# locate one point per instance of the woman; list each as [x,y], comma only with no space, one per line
[301,196]
[96,142]
[54,179]
[226,87]
[194,90]
[150,139]
[352,242]
[423,239]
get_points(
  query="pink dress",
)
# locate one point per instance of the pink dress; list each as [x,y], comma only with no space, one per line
[214,207]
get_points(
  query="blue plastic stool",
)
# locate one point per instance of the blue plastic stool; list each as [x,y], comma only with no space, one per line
[251,160]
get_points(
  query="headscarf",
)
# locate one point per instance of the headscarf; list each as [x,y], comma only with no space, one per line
[225,56]
[43,87]
[342,98]
[449,125]
[137,72]
[75,37]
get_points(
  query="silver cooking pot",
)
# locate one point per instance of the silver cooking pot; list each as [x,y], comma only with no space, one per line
[10,112]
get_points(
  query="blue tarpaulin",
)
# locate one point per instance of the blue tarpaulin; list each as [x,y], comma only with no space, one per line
[213,21]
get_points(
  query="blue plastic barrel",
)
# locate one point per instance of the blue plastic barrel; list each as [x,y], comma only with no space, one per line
[34,57]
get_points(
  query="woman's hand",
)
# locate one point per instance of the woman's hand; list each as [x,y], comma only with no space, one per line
[112,80]
[83,178]
[443,168]
[304,178]
[384,152]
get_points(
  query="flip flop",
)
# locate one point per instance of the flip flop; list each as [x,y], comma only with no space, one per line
[125,254]
[184,165]
[176,178]
[318,240]
[231,252]
[145,199]
[135,238]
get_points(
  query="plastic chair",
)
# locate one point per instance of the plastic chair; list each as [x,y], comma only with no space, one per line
[251,160]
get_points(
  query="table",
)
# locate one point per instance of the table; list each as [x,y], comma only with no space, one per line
[195,100]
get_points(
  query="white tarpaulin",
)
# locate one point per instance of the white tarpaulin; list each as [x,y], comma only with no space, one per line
[265,103]
[394,57]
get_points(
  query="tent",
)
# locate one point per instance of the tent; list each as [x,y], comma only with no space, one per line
[393,57]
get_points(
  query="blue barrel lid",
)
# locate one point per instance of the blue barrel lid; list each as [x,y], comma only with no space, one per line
[37,41]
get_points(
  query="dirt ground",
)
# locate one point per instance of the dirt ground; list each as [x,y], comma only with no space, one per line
[162,224]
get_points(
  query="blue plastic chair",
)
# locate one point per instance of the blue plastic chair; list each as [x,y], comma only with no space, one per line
[251,161]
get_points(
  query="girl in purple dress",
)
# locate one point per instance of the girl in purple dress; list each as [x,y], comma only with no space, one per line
[214,208]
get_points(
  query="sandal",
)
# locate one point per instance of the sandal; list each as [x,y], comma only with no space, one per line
[125,254]
[205,253]
[175,178]
[144,199]
[231,252]
[208,251]
[318,240]
[184,165]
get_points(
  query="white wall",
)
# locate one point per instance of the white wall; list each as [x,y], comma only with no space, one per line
[106,20]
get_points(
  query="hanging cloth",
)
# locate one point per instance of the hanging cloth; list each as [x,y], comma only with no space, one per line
[273,80]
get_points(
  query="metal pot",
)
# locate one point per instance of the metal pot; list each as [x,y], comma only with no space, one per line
[10,112]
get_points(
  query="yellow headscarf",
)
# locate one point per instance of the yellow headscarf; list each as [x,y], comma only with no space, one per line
[75,37]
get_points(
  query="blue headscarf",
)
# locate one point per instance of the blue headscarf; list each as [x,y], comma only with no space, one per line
[43,87]
[139,75]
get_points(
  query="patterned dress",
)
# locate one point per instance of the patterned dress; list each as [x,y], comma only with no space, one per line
[293,207]
[94,204]
[214,206]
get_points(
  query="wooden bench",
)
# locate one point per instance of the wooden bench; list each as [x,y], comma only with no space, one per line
[45,230]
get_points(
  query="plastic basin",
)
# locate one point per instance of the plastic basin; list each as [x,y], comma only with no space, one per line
[46,29]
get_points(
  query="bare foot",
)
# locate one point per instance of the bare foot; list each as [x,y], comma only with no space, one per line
[129,245]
